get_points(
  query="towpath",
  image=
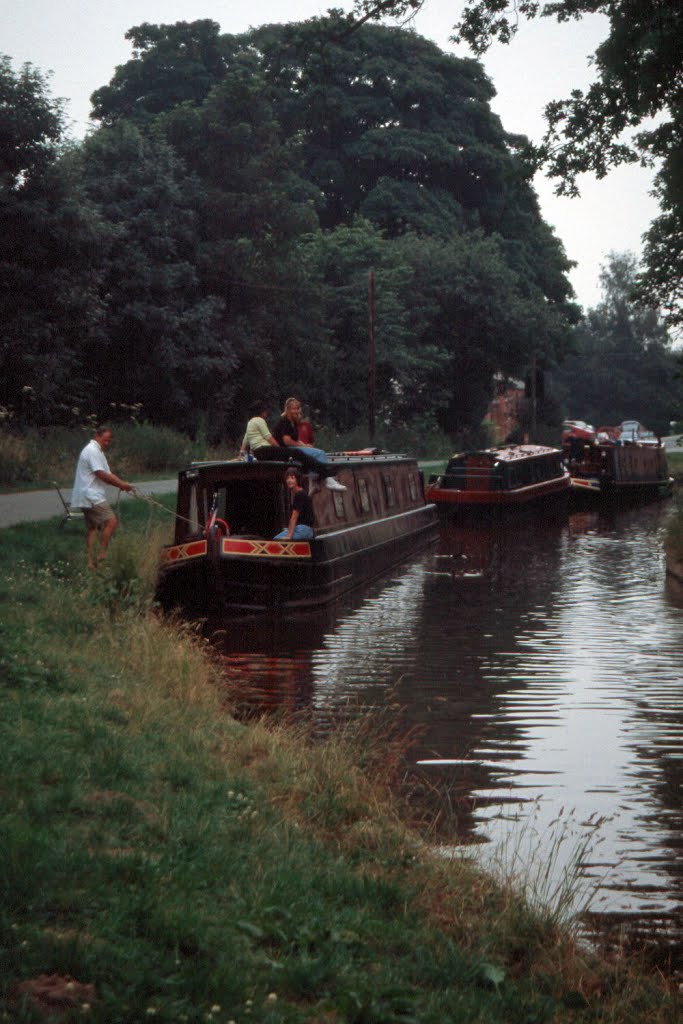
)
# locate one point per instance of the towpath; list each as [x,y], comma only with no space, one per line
[32,506]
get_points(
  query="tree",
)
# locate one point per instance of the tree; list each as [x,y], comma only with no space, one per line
[638,78]
[49,240]
[395,131]
[171,65]
[255,207]
[161,342]
[337,265]
[623,366]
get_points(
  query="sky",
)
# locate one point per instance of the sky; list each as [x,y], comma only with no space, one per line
[82,41]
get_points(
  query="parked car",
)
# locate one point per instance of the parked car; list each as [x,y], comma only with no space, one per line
[632,430]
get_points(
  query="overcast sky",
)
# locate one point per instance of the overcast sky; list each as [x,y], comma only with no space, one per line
[82,41]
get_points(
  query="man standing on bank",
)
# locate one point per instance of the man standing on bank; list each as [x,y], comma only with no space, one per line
[90,495]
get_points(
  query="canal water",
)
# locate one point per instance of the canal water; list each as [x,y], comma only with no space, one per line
[540,667]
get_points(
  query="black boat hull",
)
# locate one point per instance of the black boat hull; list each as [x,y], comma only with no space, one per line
[252,575]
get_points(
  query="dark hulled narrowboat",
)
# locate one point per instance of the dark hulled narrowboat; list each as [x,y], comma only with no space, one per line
[616,469]
[510,476]
[223,555]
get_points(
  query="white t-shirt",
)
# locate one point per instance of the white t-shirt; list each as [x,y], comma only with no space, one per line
[88,489]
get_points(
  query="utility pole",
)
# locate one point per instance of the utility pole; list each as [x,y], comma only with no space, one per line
[372,382]
[532,426]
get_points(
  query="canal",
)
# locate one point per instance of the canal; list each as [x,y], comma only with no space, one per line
[539,666]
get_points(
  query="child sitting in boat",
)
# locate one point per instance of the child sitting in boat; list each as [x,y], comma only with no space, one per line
[300,525]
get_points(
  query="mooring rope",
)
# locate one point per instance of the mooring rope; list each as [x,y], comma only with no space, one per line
[150,500]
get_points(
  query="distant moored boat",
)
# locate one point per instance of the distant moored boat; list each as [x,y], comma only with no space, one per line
[510,476]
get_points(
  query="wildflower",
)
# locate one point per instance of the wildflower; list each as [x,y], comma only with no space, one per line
[215,1008]
[271,997]
[151,1011]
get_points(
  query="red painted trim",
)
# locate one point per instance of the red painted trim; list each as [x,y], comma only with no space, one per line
[174,553]
[265,548]
[517,496]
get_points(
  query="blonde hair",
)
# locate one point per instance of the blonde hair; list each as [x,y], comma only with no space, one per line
[288,404]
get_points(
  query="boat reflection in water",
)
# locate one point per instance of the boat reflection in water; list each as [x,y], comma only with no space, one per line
[300,664]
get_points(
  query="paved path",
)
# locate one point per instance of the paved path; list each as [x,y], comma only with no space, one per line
[31,506]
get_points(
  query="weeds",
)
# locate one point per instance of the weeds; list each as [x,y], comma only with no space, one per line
[674,533]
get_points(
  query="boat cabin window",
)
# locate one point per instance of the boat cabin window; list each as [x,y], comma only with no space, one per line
[363,494]
[389,491]
[338,501]
[413,487]
[193,525]
[251,507]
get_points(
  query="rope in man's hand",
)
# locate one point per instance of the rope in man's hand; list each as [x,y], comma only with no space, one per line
[151,501]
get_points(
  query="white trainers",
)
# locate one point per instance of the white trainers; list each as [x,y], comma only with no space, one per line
[333,485]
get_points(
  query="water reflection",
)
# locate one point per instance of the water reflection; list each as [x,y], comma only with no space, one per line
[540,665]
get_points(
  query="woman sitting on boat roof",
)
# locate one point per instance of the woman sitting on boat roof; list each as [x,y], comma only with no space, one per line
[264,445]
[286,433]
[257,435]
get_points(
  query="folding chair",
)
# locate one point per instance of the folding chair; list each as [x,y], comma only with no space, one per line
[69,513]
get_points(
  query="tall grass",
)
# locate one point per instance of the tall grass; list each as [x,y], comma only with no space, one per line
[674,533]
[169,863]
[39,456]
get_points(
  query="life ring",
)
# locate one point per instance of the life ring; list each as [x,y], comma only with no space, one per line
[220,525]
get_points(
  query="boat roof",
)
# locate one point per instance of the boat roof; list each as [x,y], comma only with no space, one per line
[511,452]
[238,466]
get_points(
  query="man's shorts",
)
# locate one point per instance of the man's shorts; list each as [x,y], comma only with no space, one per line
[98,516]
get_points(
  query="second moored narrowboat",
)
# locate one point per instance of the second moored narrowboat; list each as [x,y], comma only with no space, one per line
[510,476]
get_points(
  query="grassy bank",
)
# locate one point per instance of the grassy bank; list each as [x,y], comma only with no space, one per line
[161,861]
[675,463]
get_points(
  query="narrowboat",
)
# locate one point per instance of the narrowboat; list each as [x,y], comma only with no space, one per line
[511,476]
[223,555]
[609,469]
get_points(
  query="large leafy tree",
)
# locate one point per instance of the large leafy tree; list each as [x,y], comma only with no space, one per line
[623,366]
[253,202]
[49,240]
[171,65]
[394,130]
[338,264]
[255,207]
[161,342]
[633,110]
